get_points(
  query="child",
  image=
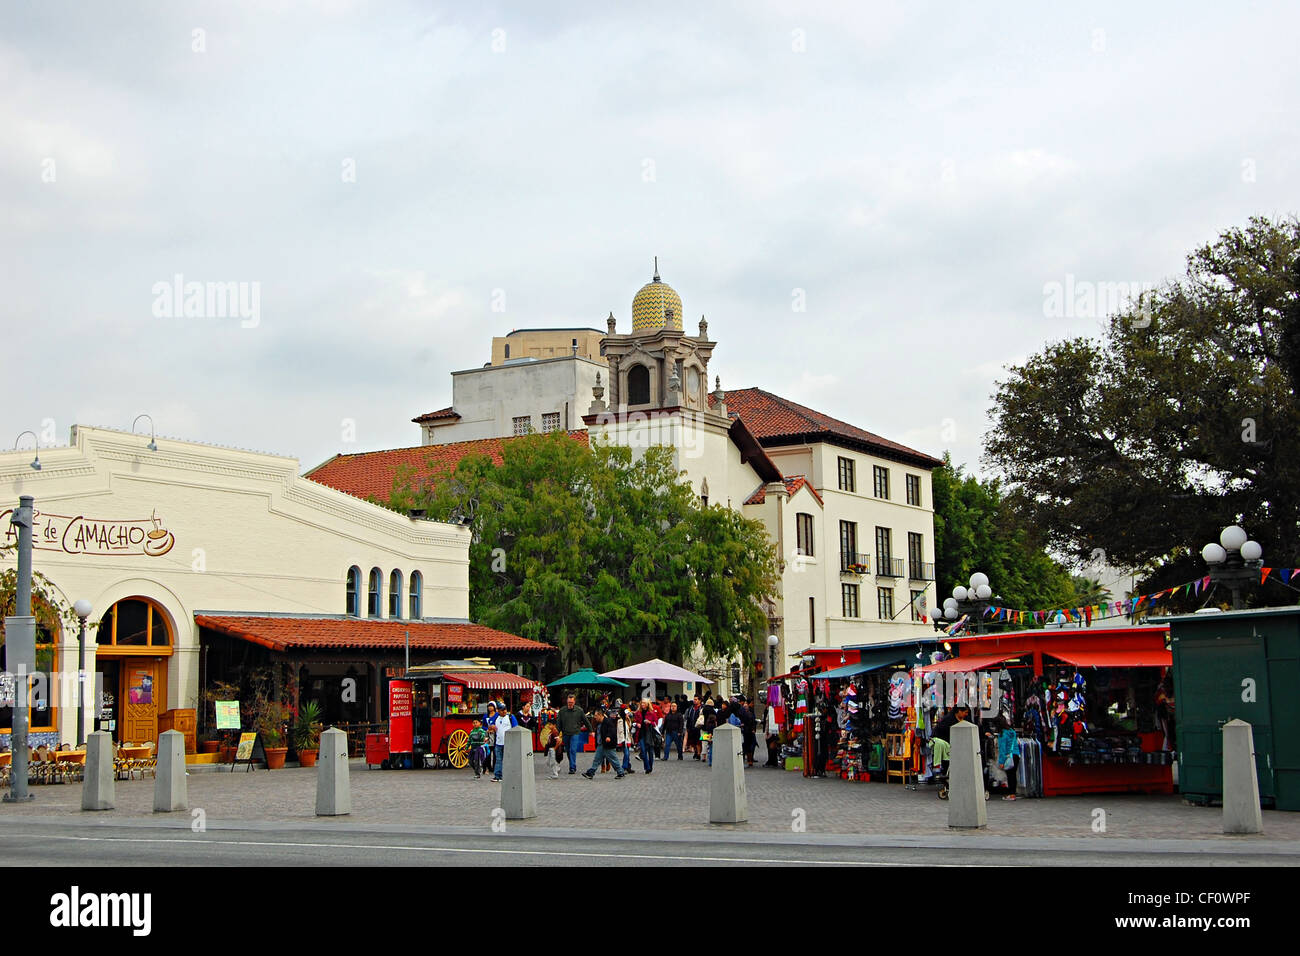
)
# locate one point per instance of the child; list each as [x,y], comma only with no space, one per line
[477,749]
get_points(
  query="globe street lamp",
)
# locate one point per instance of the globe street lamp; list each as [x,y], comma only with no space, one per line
[82,610]
[772,641]
[973,602]
[1234,562]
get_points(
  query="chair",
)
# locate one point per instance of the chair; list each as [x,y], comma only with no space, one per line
[149,762]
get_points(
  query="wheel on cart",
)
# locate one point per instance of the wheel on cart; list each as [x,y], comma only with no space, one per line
[458,749]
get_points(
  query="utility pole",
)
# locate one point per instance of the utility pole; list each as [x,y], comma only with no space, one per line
[20,650]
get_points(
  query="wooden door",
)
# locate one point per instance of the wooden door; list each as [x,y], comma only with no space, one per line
[139,698]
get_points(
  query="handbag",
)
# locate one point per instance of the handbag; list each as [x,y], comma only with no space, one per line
[699,721]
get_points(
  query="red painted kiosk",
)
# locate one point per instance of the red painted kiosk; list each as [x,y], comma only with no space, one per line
[1124,744]
[432,709]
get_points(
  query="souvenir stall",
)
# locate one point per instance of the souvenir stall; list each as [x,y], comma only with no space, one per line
[1087,704]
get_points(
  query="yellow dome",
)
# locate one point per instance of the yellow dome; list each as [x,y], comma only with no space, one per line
[656,306]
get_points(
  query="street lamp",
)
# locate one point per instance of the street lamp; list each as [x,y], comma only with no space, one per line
[153,444]
[82,610]
[36,462]
[1234,562]
[772,641]
[972,601]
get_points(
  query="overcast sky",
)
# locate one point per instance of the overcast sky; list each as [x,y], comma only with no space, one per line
[913,175]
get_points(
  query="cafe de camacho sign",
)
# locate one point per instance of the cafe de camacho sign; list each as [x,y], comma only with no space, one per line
[80,534]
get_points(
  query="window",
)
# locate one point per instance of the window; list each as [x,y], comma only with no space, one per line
[849,599]
[523,425]
[354,592]
[848,544]
[885,563]
[373,604]
[913,489]
[40,701]
[133,622]
[918,605]
[550,421]
[507,350]
[885,603]
[881,481]
[638,385]
[417,596]
[575,343]
[395,594]
[847,480]
[915,566]
[804,533]
[812,620]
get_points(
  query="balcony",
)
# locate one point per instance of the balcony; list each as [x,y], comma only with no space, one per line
[920,571]
[889,567]
[854,563]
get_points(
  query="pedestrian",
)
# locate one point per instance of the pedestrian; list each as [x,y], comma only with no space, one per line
[646,731]
[478,739]
[625,735]
[505,720]
[551,741]
[748,723]
[674,726]
[606,745]
[489,726]
[710,725]
[773,731]
[694,724]
[573,722]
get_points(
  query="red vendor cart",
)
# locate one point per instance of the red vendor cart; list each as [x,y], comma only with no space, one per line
[433,707]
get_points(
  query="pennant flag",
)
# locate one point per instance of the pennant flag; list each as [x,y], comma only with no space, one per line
[1088,612]
[1284,574]
[1187,587]
[1264,572]
[1205,582]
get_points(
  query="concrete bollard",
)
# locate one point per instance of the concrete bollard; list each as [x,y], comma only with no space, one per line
[728,802]
[518,785]
[1241,810]
[333,786]
[169,788]
[99,791]
[966,808]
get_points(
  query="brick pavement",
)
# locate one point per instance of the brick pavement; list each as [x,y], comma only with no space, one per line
[674,797]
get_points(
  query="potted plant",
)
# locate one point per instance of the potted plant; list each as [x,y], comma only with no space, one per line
[209,743]
[271,717]
[306,733]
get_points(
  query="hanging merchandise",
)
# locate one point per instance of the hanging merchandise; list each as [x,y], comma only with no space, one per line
[898,687]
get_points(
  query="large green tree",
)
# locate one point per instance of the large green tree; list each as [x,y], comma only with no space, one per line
[1180,418]
[610,557]
[976,530]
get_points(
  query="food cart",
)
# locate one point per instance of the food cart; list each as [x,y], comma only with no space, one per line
[433,707]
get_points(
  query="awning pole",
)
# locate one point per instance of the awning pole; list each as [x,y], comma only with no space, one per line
[408,649]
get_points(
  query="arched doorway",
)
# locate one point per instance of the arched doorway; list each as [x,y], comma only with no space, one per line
[133,643]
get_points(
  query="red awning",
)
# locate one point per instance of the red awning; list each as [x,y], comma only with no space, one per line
[492,680]
[1116,658]
[809,673]
[972,662]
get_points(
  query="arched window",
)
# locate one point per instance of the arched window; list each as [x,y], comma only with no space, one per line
[373,604]
[354,592]
[417,595]
[133,622]
[638,385]
[395,594]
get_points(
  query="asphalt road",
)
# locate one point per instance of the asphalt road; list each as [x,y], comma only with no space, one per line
[124,844]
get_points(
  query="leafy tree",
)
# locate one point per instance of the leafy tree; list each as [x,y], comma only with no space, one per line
[975,530]
[1180,419]
[611,558]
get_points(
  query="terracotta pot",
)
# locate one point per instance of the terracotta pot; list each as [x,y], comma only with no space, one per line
[226,754]
[275,757]
[307,758]
[209,746]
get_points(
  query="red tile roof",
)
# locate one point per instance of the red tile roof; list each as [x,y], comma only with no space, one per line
[370,474]
[447,413]
[775,421]
[308,633]
[792,484]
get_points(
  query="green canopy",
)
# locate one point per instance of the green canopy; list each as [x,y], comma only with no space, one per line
[586,678]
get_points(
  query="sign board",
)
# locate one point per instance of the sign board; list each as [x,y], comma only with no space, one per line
[103,537]
[250,749]
[401,728]
[227,715]
[455,693]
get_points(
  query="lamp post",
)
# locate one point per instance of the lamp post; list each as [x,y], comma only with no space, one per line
[1235,561]
[772,641]
[36,462]
[972,601]
[153,441]
[82,610]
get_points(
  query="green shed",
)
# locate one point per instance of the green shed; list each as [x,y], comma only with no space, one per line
[1238,664]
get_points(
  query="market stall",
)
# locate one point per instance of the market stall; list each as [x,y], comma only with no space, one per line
[1088,704]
